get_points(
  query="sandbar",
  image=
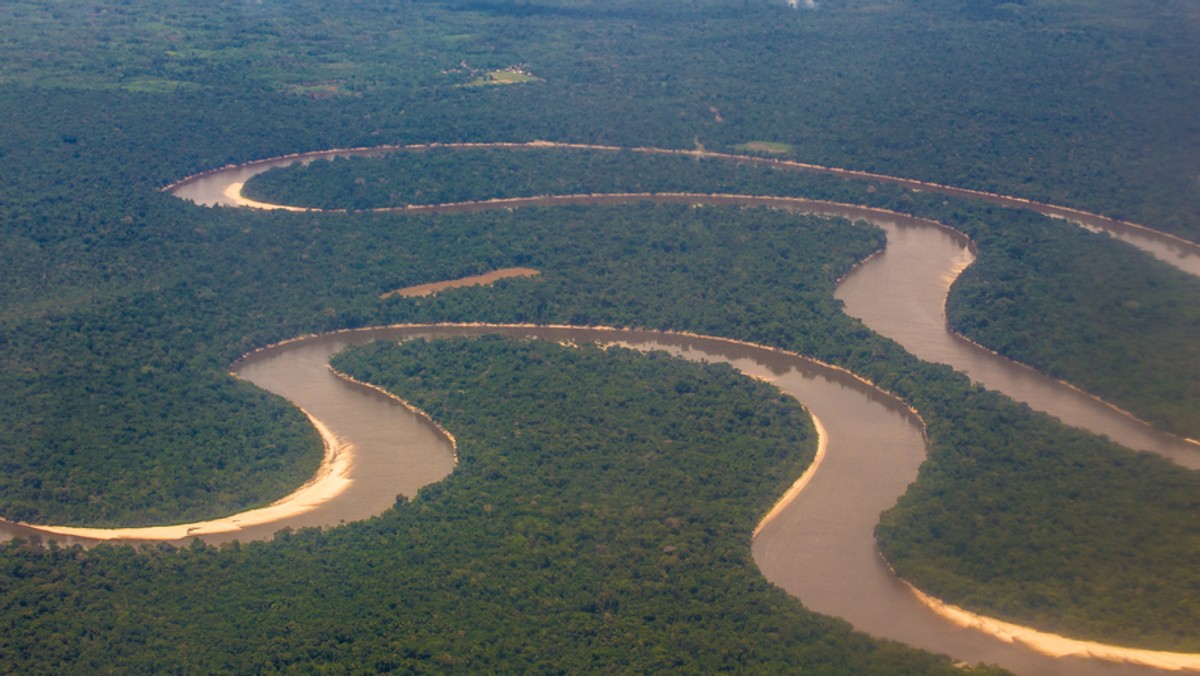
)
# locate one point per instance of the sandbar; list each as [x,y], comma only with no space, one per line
[1055,645]
[799,485]
[234,193]
[331,479]
[473,280]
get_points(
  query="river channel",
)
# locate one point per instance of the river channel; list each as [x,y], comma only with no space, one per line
[821,547]
[899,293]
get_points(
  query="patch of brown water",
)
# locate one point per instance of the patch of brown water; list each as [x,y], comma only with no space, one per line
[473,280]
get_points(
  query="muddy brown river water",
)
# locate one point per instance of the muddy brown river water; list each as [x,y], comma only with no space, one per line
[820,547]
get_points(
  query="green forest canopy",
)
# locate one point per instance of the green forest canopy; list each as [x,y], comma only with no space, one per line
[553,546]
[117,299]
[1078,306]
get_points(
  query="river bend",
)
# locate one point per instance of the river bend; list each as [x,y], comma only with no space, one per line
[821,546]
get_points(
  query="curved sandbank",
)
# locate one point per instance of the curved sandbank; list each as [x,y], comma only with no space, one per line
[801,483]
[331,479]
[1057,646]
[234,193]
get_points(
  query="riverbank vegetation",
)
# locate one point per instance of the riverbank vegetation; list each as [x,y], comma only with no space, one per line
[1098,315]
[275,276]
[598,520]
[1075,305]
[1000,475]
[121,307]
[671,267]
[1066,533]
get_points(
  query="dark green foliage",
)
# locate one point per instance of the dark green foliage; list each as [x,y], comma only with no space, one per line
[436,175]
[1073,304]
[1054,529]
[1085,103]
[101,389]
[599,520]
[127,449]
[1101,316]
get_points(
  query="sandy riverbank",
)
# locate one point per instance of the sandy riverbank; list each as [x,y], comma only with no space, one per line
[234,194]
[331,479]
[1055,645]
[799,485]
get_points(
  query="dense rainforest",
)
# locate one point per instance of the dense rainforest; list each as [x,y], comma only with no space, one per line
[620,279]
[1109,320]
[280,276]
[599,519]
[121,307]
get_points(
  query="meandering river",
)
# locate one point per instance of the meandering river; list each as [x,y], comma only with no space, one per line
[820,547]
[900,293]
